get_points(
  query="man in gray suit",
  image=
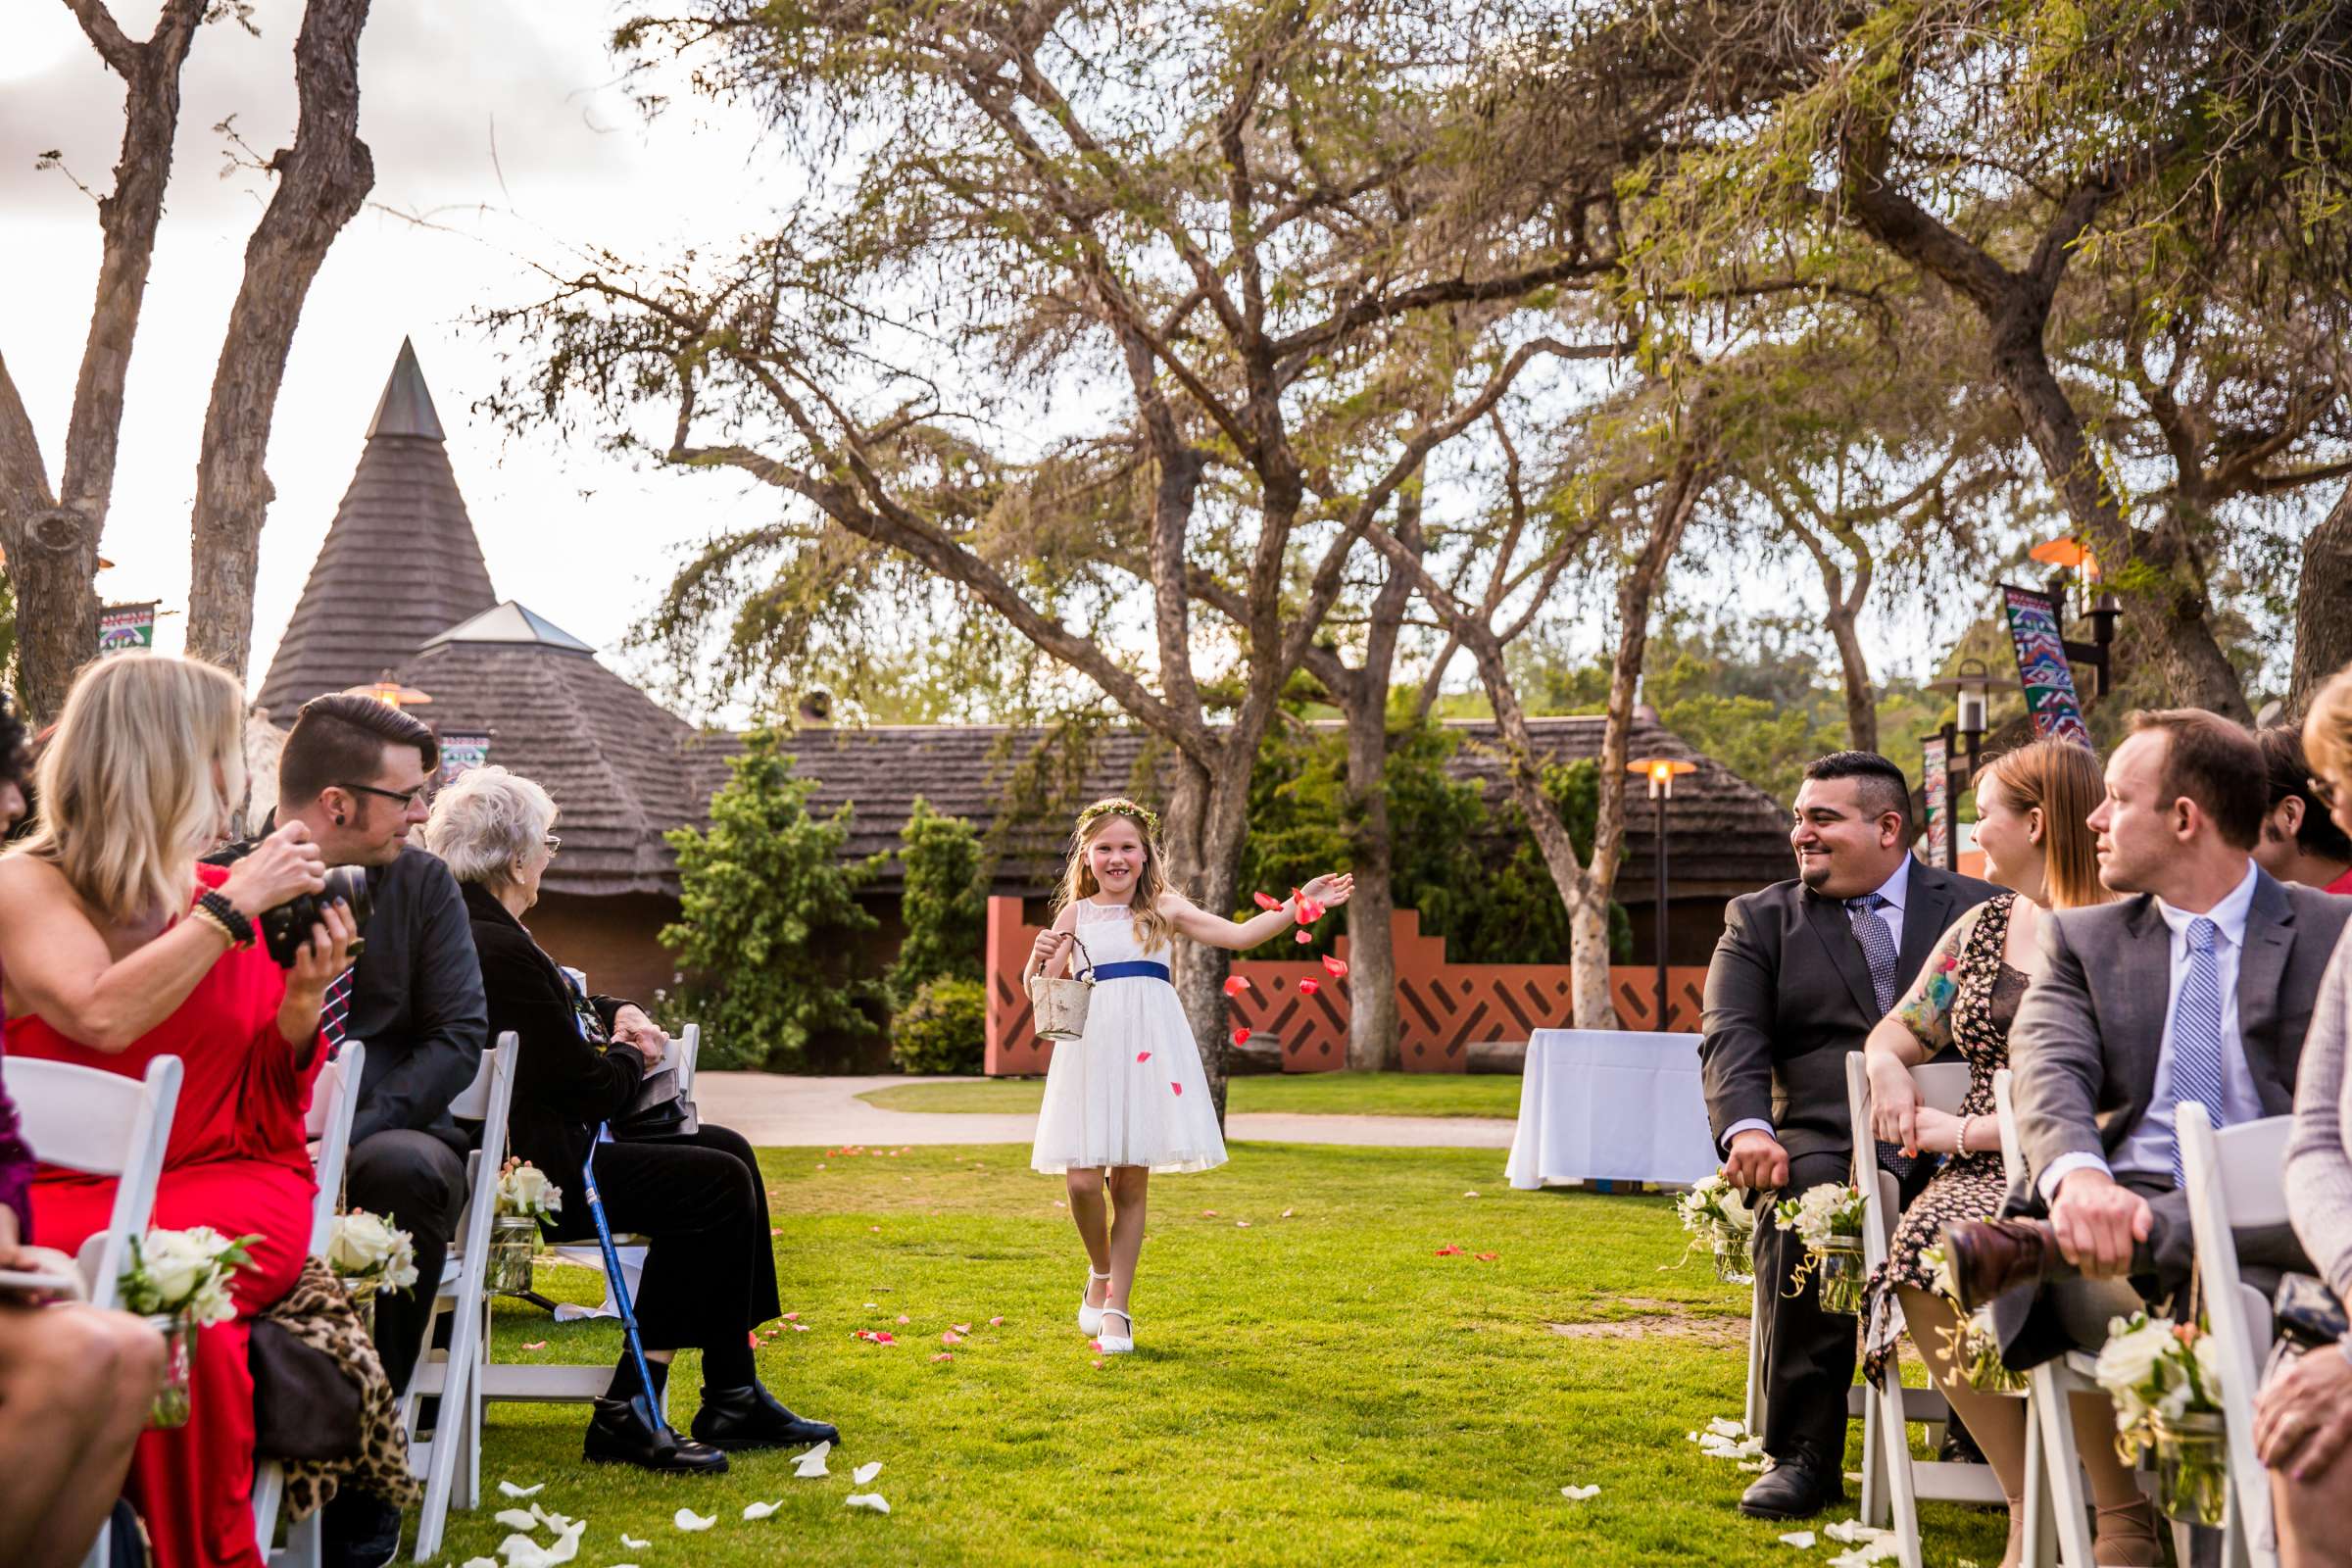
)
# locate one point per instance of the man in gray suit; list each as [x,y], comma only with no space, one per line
[1803,971]
[2199,987]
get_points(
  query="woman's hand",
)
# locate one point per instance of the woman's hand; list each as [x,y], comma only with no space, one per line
[281,867]
[1933,1132]
[2304,1415]
[1894,1101]
[326,954]
[1329,890]
[632,1027]
[1045,952]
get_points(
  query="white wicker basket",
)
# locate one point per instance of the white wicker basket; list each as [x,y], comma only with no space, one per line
[1058,1007]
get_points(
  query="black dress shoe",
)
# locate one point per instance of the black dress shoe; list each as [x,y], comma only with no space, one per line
[359,1530]
[748,1417]
[1991,1257]
[1794,1488]
[625,1432]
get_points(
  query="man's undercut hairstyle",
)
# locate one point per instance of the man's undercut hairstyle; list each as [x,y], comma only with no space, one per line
[2216,763]
[1882,785]
[2290,774]
[340,739]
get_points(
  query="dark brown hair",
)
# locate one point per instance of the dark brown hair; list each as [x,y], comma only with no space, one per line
[2290,775]
[1879,784]
[340,739]
[2216,763]
[2063,780]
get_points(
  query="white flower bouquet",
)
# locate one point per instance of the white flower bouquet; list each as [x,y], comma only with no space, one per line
[524,1191]
[369,1254]
[1828,1219]
[1720,1222]
[2165,1378]
[179,1281]
[526,1197]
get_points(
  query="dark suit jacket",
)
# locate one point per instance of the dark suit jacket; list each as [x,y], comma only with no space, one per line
[565,1085]
[2083,1049]
[1788,995]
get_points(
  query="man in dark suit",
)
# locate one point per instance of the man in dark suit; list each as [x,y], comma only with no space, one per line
[1802,972]
[2199,987]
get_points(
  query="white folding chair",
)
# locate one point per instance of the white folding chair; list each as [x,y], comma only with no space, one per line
[103,1124]
[451,1461]
[2235,1177]
[684,1048]
[1901,1481]
[334,1100]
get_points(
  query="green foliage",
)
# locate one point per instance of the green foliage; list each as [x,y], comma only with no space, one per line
[946,903]
[1449,841]
[769,919]
[944,1029]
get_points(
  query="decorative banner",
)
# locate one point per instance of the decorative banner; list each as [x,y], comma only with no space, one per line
[124,627]
[2041,667]
[1938,782]
[462,752]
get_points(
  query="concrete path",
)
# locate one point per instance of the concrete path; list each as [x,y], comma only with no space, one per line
[774,1109]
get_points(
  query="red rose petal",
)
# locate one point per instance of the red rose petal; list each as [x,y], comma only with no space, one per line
[1488,1257]
[1303,935]
[754,1336]
[1449,1251]
[1309,986]
[1143,1056]
[1337,966]
[1268,900]
[1176,1089]
[541,1345]
[1241,1037]
[944,1356]
[1234,984]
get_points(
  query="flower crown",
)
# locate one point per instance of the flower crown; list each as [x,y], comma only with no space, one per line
[1118,805]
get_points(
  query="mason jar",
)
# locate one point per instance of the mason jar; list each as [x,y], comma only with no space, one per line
[1838,1266]
[2193,1468]
[514,1240]
[172,1400]
[1732,1263]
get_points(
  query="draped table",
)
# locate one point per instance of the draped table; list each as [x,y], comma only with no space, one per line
[1611,1105]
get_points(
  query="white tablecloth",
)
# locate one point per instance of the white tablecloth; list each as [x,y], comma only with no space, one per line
[1613,1105]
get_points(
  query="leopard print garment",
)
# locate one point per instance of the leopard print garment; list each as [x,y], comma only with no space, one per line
[319,1312]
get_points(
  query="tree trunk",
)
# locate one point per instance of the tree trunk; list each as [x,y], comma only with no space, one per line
[2323,604]
[322,180]
[1861,709]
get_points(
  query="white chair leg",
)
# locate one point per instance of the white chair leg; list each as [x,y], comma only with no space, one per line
[2040,1528]
[2062,1467]
[1902,1498]
[1756,1329]
[1875,1460]
[269,1485]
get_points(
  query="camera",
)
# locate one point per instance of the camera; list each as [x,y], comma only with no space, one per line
[287,928]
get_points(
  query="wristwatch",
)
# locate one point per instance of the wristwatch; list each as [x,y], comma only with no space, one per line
[215,903]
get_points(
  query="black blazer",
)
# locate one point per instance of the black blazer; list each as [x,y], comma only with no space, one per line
[1788,995]
[563,1085]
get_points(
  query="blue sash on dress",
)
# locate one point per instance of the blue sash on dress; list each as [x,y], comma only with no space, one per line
[1131,969]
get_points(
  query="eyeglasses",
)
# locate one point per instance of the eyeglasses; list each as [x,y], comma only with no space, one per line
[2322,790]
[553,841]
[421,795]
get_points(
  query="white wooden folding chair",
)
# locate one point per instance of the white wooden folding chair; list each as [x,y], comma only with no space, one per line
[2236,1177]
[1903,1479]
[684,1048]
[334,1100]
[451,1460]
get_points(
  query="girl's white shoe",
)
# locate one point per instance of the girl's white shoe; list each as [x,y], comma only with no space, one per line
[1116,1343]
[1090,1318]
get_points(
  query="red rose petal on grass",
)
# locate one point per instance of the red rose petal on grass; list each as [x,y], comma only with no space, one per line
[994,1321]
[1309,986]
[1488,1257]
[1209,1213]
[791,1316]
[1268,900]
[1177,1089]
[1241,1037]
[904,1318]
[1303,935]
[541,1345]
[1141,1057]
[951,1338]
[800,1328]
[1234,984]
[961,1328]
[1337,966]
[944,1356]
[1449,1251]
[1098,1362]
[876,1229]
[754,1336]
[885,1336]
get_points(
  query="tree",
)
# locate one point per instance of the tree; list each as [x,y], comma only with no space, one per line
[945,902]
[768,925]
[51,537]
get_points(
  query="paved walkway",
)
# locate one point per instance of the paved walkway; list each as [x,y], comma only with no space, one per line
[776,1109]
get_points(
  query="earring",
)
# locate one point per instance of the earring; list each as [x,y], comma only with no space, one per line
[338,819]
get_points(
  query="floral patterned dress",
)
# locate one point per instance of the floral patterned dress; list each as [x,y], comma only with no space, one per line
[1967,997]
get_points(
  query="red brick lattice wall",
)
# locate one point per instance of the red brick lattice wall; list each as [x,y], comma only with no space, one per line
[1444,1009]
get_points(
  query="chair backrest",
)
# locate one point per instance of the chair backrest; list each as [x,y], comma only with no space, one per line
[334,1100]
[1942,1086]
[684,1050]
[474,1101]
[104,1124]
[489,1097]
[2013,1156]
[2235,1178]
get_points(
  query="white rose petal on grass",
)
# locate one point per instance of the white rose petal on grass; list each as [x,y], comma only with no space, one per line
[516,1519]
[865,1473]
[514,1490]
[688,1519]
[1579,1493]
[760,1510]
[1853,1532]
[1725,1426]
[481,1562]
[1753,1467]
[1801,1540]
[633,1543]
[811,1465]
[866,1499]
[557,1522]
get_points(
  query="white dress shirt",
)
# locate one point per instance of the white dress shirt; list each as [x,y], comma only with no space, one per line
[2148,1148]
[1893,891]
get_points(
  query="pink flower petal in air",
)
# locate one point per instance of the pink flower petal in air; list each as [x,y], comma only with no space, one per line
[1143,1056]
[1234,984]
[1177,1089]
[1241,1037]
[1303,935]
[1268,900]
[1337,966]
[1309,986]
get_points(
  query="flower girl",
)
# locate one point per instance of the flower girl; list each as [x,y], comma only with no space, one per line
[1130,1098]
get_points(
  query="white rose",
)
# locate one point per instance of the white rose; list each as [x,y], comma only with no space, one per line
[2130,1357]
[2209,1368]
[211,1303]
[174,1265]
[359,1244]
[400,1268]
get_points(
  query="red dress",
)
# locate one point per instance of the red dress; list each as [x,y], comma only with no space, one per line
[236,1162]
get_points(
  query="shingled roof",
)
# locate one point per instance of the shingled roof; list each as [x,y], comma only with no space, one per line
[400,562]
[1728,836]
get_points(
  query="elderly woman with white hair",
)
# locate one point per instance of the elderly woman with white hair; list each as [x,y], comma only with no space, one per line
[710,1270]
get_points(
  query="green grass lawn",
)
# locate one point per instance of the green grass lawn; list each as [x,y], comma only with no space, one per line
[1316,1388]
[1331,1094]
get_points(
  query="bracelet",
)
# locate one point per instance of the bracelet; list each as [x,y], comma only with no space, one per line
[214,909]
[1966,1122]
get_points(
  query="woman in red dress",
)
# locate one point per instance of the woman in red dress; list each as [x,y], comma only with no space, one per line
[118,948]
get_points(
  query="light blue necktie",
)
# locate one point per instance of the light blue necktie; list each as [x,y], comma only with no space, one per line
[2196,1060]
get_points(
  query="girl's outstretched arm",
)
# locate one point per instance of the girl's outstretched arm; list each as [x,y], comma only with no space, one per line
[1240,935]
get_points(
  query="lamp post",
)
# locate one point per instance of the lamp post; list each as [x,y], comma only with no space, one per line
[1661,772]
[387,690]
[2102,613]
[1964,735]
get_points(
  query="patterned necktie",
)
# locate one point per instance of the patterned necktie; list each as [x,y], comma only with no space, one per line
[1878,950]
[333,1012]
[2196,1063]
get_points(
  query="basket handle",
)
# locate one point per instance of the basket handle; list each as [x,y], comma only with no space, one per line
[1086,974]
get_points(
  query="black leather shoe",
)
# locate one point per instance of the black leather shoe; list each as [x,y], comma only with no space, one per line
[625,1432]
[1792,1489]
[360,1529]
[748,1417]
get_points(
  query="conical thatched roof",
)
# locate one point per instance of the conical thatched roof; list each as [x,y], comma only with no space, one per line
[399,564]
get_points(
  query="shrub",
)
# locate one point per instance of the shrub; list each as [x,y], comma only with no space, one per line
[946,904]
[944,1029]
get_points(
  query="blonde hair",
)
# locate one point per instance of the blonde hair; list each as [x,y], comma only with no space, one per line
[2063,780]
[1152,927]
[486,820]
[2328,731]
[145,767]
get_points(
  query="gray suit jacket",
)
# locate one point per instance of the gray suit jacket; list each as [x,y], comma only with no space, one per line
[1788,995]
[2084,1051]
